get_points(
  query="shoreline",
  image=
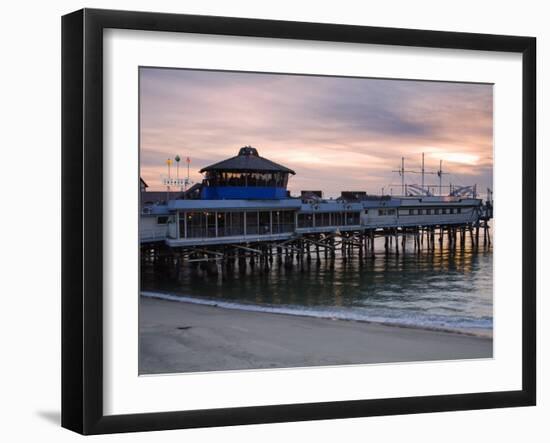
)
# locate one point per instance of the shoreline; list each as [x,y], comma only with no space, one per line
[181,336]
[270,309]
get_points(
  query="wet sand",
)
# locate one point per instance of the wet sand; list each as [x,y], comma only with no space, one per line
[186,337]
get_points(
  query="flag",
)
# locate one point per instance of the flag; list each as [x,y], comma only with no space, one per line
[188,160]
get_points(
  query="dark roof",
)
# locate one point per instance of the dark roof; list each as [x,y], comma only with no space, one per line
[351,196]
[248,159]
[158,197]
[193,192]
[143,182]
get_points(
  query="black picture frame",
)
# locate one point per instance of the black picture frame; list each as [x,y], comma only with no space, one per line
[82,215]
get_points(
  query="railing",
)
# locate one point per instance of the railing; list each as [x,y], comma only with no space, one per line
[152,234]
[283,228]
[232,231]
[210,232]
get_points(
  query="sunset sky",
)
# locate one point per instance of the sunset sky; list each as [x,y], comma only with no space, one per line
[337,133]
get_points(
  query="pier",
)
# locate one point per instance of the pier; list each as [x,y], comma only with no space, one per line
[242,216]
[305,248]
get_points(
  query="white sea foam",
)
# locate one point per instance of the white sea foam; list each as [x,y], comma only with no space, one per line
[472,326]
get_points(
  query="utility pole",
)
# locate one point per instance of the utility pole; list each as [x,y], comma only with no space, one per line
[422,172]
[440,173]
[188,160]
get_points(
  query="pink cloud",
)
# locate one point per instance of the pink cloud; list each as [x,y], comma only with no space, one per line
[336,133]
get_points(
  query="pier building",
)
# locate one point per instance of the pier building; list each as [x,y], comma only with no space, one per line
[243,203]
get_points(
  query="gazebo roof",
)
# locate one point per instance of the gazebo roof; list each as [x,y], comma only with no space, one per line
[248,160]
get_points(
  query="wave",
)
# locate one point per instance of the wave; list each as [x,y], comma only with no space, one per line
[462,325]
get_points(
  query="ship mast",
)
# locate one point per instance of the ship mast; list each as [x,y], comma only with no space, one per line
[402,175]
[402,172]
[422,172]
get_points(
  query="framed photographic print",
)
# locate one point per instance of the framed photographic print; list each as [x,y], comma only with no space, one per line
[269,221]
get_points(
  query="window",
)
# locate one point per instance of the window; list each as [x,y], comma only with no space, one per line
[336,219]
[305,220]
[162,220]
[288,220]
[215,224]
[252,223]
[451,210]
[352,218]
[196,224]
[210,224]
[276,222]
[385,212]
[419,211]
[428,212]
[236,223]
[444,211]
[265,223]
[283,221]
[436,211]
[411,211]
[226,178]
[459,210]
[221,220]
[322,219]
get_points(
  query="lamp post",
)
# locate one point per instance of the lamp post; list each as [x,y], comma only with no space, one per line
[188,160]
[168,163]
[178,158]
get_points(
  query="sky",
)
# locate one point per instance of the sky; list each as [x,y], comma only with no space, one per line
[337,133]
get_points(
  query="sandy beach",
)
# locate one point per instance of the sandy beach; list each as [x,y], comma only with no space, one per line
[186,337]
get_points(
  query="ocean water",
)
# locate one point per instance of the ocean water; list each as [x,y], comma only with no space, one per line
[442,289]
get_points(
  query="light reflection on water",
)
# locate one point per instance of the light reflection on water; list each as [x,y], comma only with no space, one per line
[441,289]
